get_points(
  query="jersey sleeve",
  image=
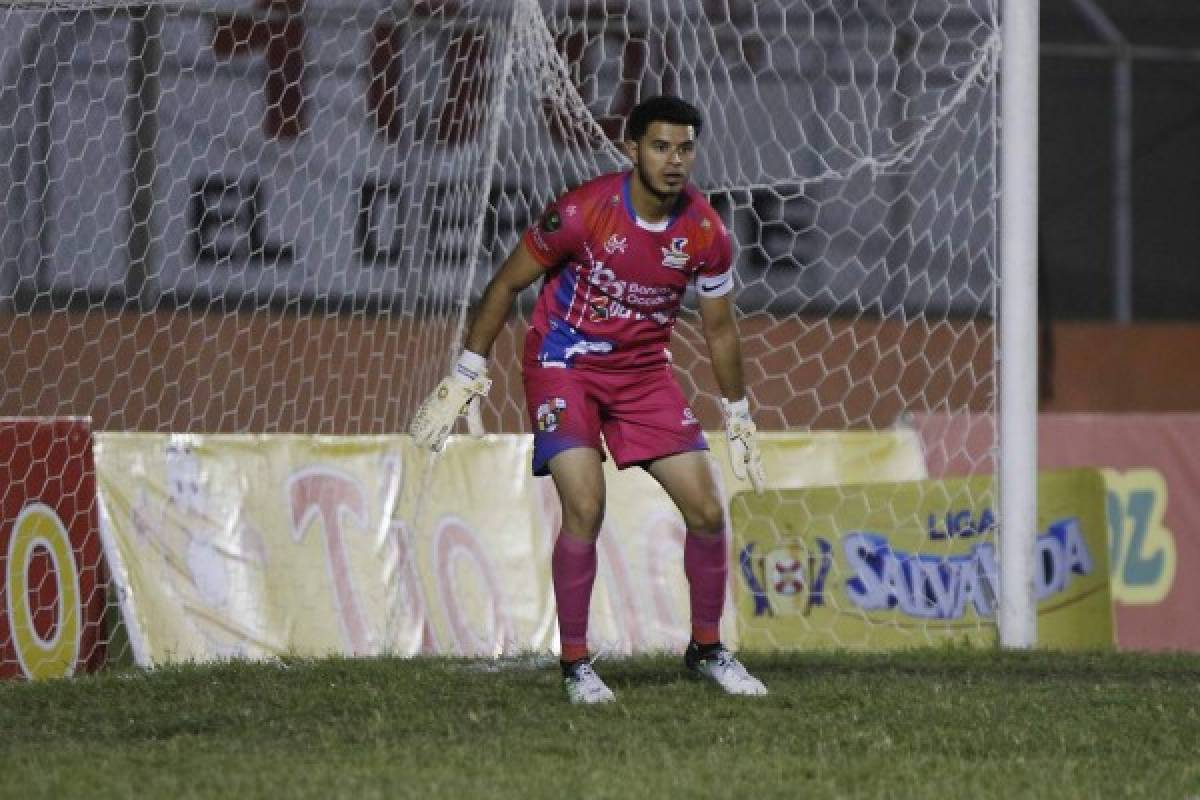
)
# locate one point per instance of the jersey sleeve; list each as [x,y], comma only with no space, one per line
[714,278]
[557,234]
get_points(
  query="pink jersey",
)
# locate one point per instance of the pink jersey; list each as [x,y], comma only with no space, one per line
[614,282]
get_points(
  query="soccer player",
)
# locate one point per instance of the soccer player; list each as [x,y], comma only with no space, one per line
[616,255]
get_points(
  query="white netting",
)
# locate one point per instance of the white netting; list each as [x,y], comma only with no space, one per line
[271,216]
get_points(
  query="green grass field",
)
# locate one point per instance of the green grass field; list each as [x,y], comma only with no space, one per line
[936,723]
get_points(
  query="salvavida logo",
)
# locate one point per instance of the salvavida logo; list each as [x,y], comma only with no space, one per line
[960,524]
[915,584]
[942,587]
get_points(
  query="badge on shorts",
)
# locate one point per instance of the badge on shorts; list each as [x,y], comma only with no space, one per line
[551,221]
[550,413]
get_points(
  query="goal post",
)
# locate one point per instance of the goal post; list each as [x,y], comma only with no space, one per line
[1018,323]
[273,216]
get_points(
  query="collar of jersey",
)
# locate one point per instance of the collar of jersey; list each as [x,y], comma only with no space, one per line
[653,227]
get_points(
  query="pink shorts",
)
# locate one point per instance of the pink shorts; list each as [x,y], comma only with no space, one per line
[642,414]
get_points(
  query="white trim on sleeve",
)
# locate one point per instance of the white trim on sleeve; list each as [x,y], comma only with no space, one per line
[715,285]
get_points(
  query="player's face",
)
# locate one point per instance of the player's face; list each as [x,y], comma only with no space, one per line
[664,157]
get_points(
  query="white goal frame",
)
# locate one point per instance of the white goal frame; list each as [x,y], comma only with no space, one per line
[1017,318]
[1017,613]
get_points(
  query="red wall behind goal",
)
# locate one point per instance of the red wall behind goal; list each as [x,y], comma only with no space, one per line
[184,371]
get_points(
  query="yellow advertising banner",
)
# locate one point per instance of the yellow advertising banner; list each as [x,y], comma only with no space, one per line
[1145,556]
[640,602]
[258,546]
[250,546]
[880,566]
[477,534]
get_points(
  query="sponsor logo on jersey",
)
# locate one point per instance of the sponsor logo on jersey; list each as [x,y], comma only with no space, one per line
[689,417]
[676,256]
[616,244]
[571,210]
[551,413]
[630,292]
[598,308]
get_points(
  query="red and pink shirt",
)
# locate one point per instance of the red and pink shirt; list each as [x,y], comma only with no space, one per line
[615,282]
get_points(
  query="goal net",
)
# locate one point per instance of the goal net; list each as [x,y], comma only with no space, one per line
[272,216]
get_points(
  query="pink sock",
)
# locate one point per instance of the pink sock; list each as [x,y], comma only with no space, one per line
[707,568]
[573,568]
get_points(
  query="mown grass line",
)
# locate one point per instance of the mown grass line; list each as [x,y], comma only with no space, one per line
[946,722]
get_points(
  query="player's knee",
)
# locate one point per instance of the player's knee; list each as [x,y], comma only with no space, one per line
[583,516]
[708,519]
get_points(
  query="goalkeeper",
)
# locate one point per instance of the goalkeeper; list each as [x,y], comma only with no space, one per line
[616,255]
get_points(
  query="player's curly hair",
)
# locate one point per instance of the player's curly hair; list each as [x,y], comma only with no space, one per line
[662,108]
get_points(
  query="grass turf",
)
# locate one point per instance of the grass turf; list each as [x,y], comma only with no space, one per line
[947,722]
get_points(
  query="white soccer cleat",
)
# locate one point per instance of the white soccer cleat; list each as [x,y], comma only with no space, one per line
[584,686]
[722,668]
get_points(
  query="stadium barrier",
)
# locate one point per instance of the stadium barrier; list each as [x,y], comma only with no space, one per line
[260,546]
[1153,503]
[886,565]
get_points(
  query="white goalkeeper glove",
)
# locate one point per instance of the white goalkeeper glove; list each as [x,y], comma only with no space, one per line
[743,443]
[451,399]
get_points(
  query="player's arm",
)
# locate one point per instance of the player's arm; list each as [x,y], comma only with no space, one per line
[719,326]
[724,346]
[468,382]
[518,272]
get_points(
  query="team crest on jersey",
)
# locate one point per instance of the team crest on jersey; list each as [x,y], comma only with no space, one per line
[676,257]
[616,244]
[550,413]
